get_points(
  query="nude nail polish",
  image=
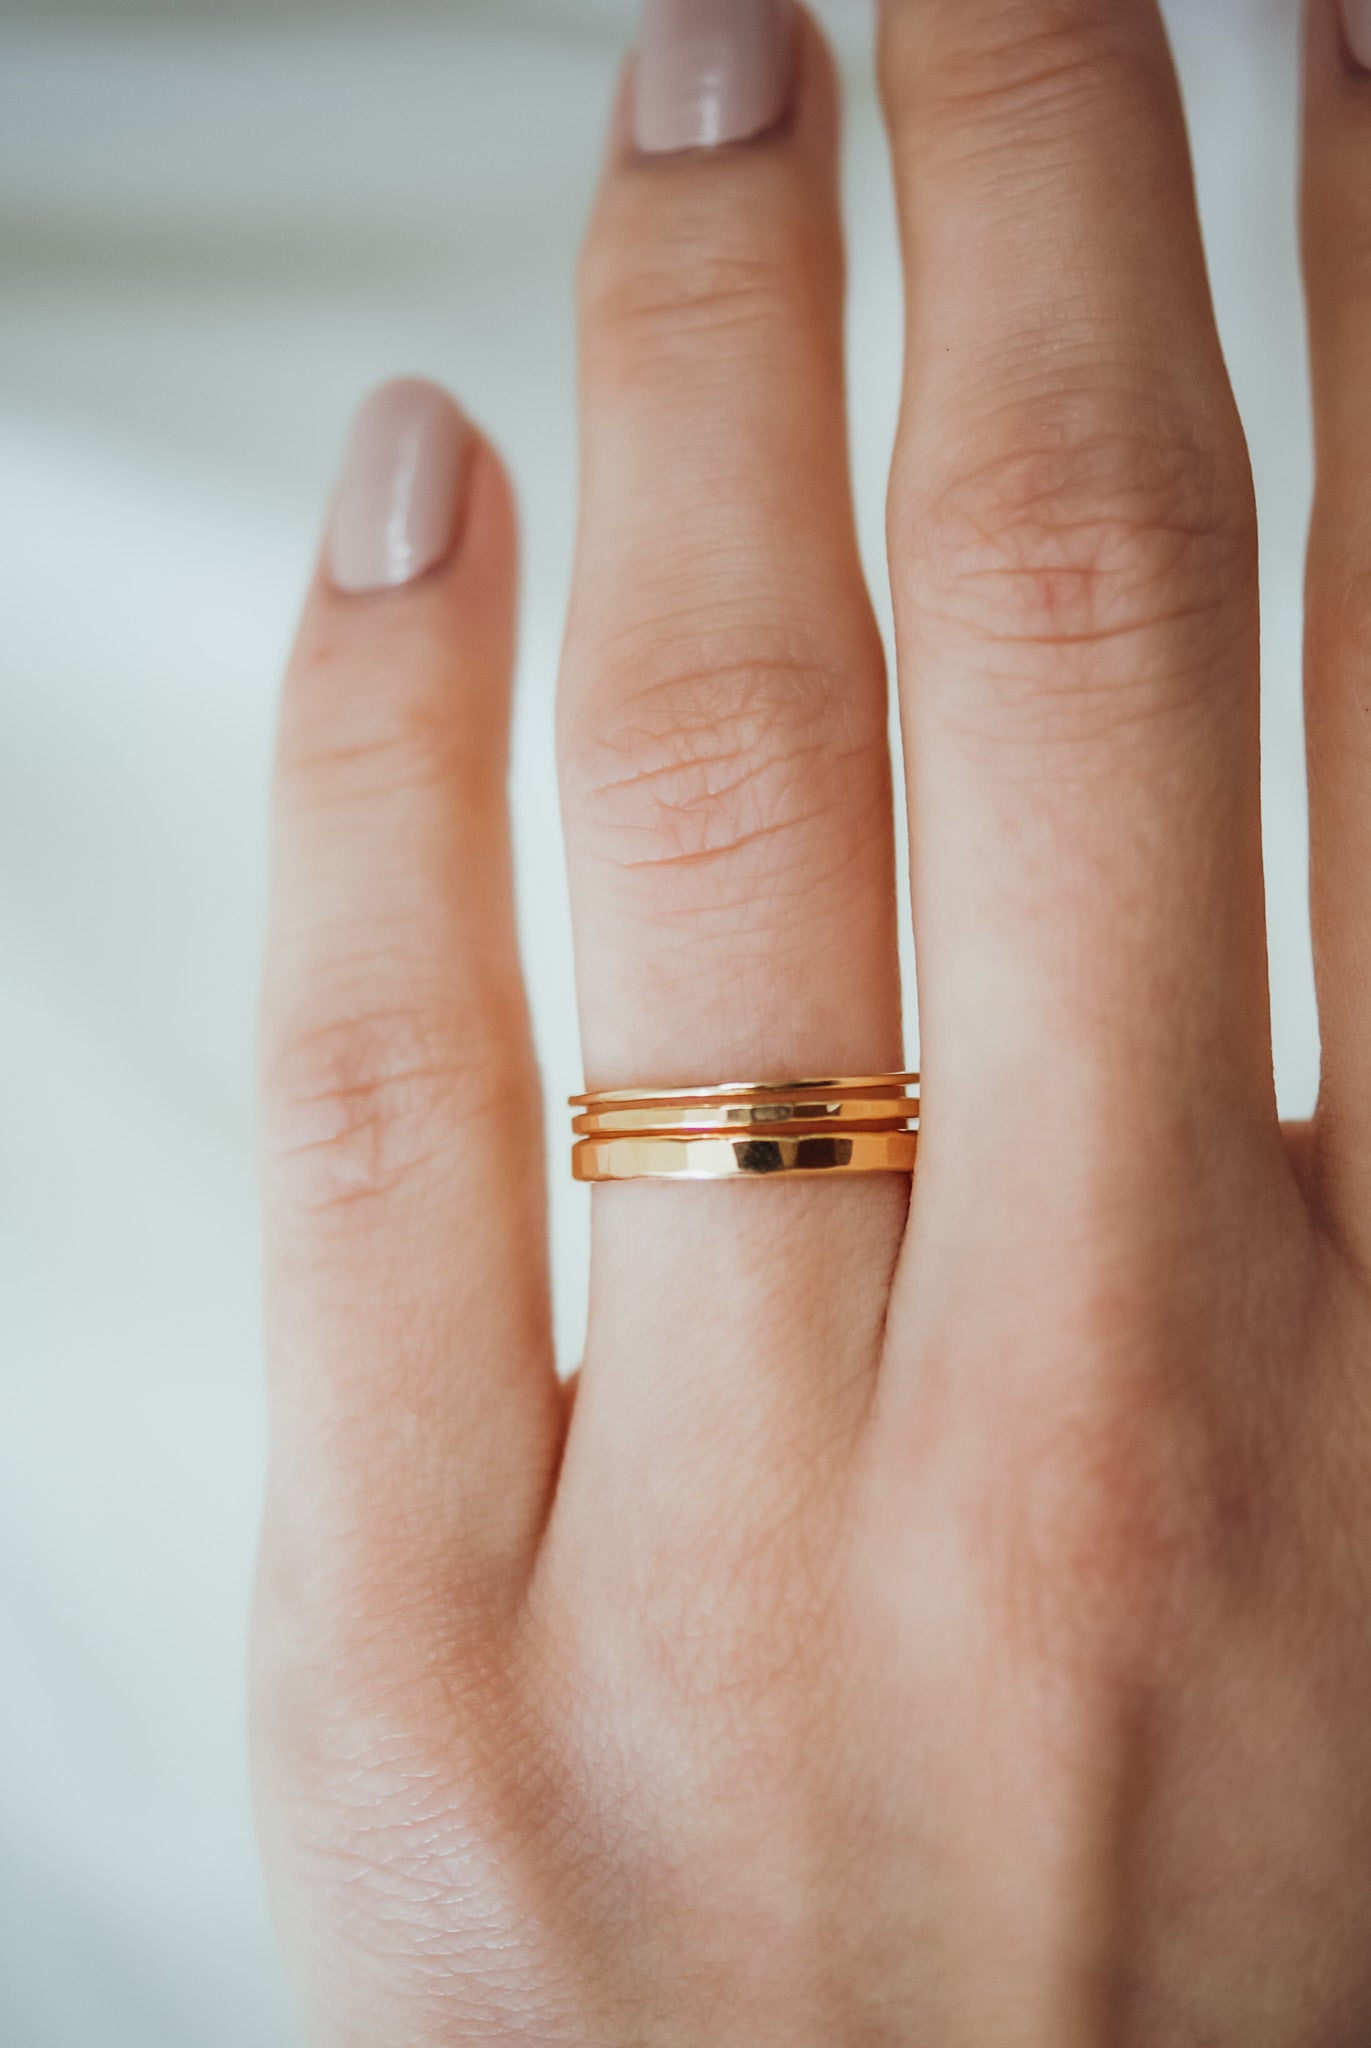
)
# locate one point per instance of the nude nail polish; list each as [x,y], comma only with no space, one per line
[1356,27]
[399,499]
[711,72]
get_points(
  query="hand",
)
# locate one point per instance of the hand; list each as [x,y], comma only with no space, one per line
[950,1626]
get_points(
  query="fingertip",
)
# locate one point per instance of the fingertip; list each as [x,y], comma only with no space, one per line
[434,653]
[1336,202]
[422,526]
[1355,22]
[662,116]
[1337,61]
[397,508]
[819,86]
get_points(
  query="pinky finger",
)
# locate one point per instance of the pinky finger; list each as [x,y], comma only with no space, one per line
[415,1415]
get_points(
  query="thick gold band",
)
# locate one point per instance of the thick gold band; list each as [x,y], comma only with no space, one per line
[743,1158]
[749,1130]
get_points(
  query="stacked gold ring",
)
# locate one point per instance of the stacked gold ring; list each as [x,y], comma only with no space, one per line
[748,1130]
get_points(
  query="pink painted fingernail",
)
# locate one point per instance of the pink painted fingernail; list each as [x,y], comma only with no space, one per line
[1356,26]
[712,71]
[399,500]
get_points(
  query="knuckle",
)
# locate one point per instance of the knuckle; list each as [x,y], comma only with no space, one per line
[727,770]
[360,730]
[728,1623]
[1024,67]
[1117,1530]
[362,1595]
[367,761]
[391,1774]
[654,301]
[1081,533]
[355,1109]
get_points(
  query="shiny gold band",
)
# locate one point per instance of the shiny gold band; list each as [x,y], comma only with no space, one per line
[749,1130]
[664,1118]
[714,1158]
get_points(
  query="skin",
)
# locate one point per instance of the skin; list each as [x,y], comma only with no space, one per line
[946,1623]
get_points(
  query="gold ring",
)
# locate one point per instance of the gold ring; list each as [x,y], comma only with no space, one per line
[749,1130]
[677,1118]
[862,1084]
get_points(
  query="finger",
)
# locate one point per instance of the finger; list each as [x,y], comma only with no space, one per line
[414,1403]
[1337,244]
[1074,568]
[724,715]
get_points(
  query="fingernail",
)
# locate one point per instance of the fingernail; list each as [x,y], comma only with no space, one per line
[399,500]
[1356,27]
[712,71]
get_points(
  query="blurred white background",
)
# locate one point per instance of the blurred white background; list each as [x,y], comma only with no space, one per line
[219,223]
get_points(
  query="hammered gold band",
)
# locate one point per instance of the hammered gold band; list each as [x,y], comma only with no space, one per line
[749,1130]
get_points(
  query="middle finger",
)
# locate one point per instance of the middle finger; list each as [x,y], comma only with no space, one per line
[1073,553]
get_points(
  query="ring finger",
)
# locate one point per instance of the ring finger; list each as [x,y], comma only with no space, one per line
[726,769]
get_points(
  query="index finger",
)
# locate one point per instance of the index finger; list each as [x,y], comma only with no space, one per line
[414,1407]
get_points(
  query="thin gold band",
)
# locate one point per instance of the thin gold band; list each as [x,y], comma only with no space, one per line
[749,1130]
[664,1118]
[861,1084]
